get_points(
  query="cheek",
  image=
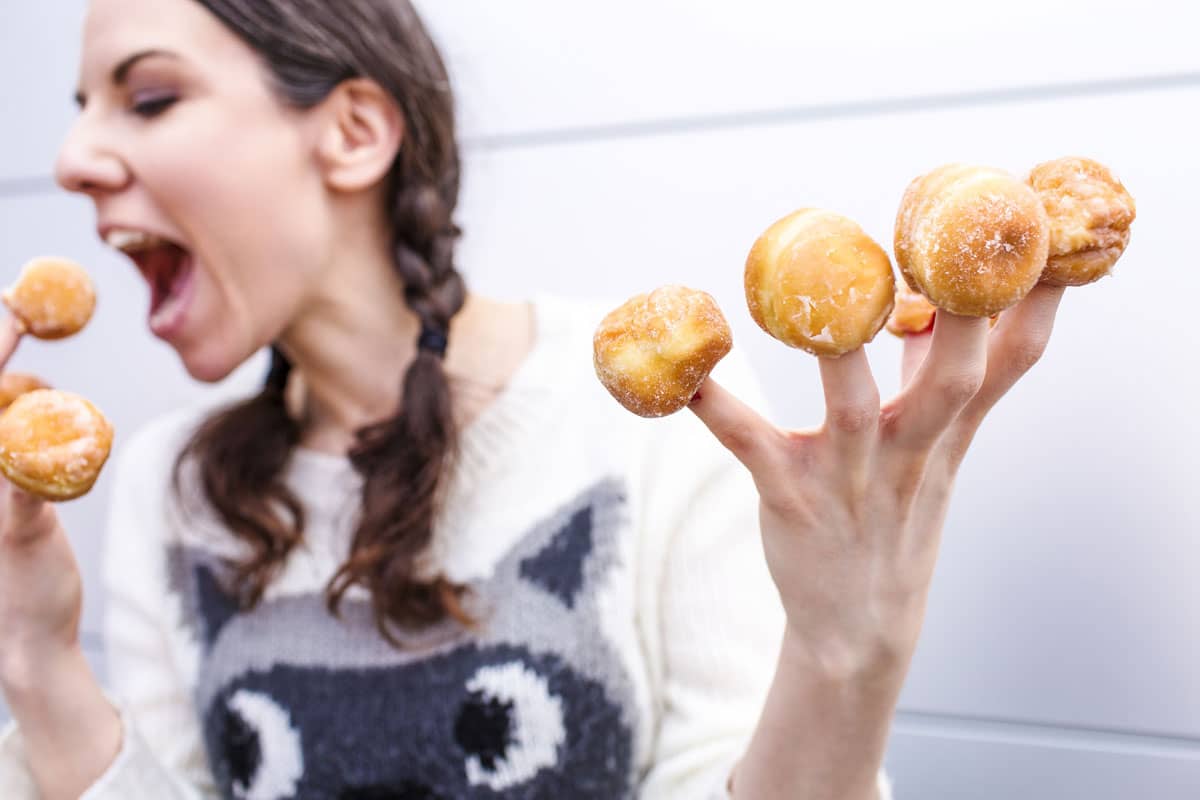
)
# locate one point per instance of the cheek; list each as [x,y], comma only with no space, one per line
[256,217]
[229,167]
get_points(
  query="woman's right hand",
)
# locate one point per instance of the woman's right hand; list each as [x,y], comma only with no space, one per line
[71,732]
[41,592]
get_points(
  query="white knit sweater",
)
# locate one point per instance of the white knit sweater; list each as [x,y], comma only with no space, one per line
[628,626]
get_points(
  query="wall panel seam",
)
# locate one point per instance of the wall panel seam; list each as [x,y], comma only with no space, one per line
[588,134]
[832,111]
[1047,734]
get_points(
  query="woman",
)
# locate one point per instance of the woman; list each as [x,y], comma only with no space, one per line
[431,558]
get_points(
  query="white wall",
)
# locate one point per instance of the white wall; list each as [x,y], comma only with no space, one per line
[618,146]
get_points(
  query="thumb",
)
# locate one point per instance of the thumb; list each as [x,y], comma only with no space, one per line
[737,426]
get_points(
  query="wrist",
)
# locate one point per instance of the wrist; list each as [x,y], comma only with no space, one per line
[71,732]
[824,727]
[879,661]
[28,672]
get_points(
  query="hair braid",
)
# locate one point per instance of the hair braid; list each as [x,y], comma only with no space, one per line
[403,460]
[309,47]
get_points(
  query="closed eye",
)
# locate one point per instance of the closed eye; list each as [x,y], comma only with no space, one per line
[153,106]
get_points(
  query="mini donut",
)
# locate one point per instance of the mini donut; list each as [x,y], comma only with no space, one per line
[53,298]
[53,444]
[1090,213]
[912,314]
[973,240]
[654,351]
[15,384]
[814,280]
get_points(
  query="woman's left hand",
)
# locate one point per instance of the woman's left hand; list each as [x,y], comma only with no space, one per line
[852,512]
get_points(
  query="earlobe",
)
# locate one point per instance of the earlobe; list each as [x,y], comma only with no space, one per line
[362,131]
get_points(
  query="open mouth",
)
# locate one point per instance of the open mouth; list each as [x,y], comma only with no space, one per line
[167,268]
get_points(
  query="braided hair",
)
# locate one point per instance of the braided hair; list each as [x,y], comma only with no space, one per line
[309,48]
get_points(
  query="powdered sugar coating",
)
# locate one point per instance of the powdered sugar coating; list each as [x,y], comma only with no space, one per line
[53,298]
[1090,212]
[654,351]
[973,240]
[53,443]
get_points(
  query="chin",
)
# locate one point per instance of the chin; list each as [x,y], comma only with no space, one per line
[208,373]
[208,367]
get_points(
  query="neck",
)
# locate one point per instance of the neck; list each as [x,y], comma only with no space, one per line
[352,344]
[352,347]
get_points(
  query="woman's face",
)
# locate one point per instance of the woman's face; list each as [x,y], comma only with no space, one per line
[200,174]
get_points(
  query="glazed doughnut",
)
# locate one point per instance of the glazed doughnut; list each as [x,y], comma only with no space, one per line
[53,298]
[15,384]
[816,281]
[973,240]
[912,314]
[653,352]
[53,444]
[1090,213]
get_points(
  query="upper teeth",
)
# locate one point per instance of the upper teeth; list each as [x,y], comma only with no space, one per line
[132,241]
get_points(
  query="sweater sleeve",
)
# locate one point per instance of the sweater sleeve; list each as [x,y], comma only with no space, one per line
[162,752]
[714,638]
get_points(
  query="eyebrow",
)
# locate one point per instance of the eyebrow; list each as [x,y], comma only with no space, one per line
[121,71]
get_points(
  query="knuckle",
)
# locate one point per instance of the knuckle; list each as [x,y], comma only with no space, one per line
[854,418]
[958,389]
[1026,352]
[788,505]
[739,438]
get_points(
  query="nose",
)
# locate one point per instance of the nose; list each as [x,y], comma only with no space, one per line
[85,165]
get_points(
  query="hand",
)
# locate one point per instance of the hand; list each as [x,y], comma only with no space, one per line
[852,512]
[40,586]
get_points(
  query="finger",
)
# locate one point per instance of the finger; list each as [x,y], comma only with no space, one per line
[1019,341]
[948,377]
[916,346]
[851,403]
[11,330]
[741,429]
[26,515]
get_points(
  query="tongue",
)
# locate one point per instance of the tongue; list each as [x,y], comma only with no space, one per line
[171,271]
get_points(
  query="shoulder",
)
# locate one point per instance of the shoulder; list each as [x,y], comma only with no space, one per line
[156,501]
[145,466]
[154,447]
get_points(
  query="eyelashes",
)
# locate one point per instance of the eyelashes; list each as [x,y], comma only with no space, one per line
[153,105]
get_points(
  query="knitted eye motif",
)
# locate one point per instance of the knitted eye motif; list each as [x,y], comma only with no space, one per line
[510,726]
[259,732]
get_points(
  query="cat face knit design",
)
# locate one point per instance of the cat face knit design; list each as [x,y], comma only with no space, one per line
[533,704]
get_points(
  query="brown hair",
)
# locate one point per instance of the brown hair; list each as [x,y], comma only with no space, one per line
[309,47]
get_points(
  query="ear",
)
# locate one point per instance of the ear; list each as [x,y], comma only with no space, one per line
[361,135]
